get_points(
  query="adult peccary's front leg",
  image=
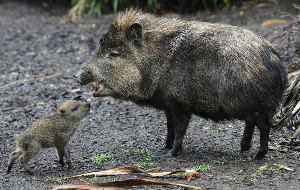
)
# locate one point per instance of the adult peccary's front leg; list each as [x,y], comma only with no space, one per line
[247,136]
[180,121]
[171,133]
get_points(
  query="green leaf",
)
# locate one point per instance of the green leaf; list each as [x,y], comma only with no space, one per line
[97,9]
[115,5]
[226,2]
[74,2]
[215,3]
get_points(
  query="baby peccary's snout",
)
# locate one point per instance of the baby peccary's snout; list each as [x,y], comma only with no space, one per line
[54,131]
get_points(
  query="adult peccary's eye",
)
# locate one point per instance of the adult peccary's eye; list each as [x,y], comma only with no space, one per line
[74,109]
[114,54]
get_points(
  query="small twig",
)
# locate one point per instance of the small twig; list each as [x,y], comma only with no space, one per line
[9,109]
[23,81]
[293,74]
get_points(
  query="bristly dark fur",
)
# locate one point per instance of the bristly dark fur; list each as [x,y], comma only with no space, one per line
[215,71]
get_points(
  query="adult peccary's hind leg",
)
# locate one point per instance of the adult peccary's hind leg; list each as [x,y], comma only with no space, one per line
[13,156]
[180,123]
[171,133]
[247,136]
[264,127]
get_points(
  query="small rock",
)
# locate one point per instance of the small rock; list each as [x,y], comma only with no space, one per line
[30,54]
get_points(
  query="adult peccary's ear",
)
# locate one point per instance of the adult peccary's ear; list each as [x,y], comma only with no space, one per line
[135,33]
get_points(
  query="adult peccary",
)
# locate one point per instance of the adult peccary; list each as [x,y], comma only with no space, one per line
[53,131]
[215,71]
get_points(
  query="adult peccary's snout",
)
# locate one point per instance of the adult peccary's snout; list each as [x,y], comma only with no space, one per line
[83,76]
[215,71]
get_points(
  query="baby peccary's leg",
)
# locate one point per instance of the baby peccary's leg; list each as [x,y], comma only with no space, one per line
[26,156]
[67,155]
[171,133]
[264,129]
[13,156]
[180,122]
[60,154]
[247,136]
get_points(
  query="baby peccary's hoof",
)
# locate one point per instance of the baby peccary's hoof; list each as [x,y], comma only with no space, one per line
[8,170]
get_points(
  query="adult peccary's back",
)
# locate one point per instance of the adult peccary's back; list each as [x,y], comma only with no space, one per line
[186,67]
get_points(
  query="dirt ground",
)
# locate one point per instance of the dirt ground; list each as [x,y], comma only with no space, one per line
[37,42]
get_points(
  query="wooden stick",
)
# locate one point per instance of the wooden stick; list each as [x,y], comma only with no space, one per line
[23,81]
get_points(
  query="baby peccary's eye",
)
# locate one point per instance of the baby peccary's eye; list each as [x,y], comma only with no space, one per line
[74,109]
[62,111]
[114,54]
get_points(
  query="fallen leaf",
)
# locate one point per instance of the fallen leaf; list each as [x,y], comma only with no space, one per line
[270,22]
[297,6]
[296,133]
[123,184]
[111,172]
[129,169]
[263,168]
[190,174]
[283,167]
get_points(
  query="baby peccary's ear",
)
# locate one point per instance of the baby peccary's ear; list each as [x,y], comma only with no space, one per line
[55,107]
[135,33]
[61,111]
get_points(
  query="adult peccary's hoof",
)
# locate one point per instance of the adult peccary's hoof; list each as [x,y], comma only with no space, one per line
[29,171]
[61,162]
[70,166]
[260,155]
[176,151]
[168,147]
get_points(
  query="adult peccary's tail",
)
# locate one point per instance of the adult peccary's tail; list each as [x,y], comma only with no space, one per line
[13,156]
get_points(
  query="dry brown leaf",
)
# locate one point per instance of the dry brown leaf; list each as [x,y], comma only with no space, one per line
[190,174]
[123,184]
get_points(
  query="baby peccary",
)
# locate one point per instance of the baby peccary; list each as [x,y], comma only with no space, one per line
[53,131]
[216,71]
